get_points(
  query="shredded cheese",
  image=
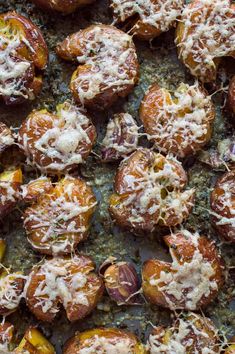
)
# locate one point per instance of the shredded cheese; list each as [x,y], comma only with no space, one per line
[206,33]
[65,144]
[188,282]
[179,126]
[160,14]
[11,291]
[104,345]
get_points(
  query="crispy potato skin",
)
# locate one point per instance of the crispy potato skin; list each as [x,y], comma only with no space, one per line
[77,45]
[10,182]
[129,178]
[202,334]
[40,123]
[79,341]
[222,204]
[35,52]
[209,72]
[231,97]
[48,209]
[183,250]
[151,111]
[93,289]
[64,6]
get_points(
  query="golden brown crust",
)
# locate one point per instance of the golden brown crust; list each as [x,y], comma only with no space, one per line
[109,66]
[102,338]
[223,206]
[197,266]
[28,53]
[66,281]
[60,219]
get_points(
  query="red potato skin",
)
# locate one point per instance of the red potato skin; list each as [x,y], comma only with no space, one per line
[226,231]
[183,249]
[64,6]
[74,46]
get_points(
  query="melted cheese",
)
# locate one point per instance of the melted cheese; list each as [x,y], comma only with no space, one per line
[103,345]
[208,33]
[107,56]
[188,282]
[160,14]
[184,124]
[62,282]
[12,68]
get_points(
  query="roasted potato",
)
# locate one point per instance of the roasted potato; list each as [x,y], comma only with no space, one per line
[60,218]
[147,19]
[191,281]
[223,206]
[231,97]
[179,124]
[105,341]
[64,6]
[25,54]
[11,291]
[58,142]
[190,333]
[34,342]
[6,137]
[205,35]
[121,137]
[67,281]
[109,66]
[10,182]
[148,191]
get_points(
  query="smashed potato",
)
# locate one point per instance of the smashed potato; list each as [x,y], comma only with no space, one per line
[108,65]
[24,54]
[149,192]
[104,341]
[60,218]
[179,124]
[190,333]
[205,35]
[191,281]
[147,18]
[57,142]
[68,281]
[10,182]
